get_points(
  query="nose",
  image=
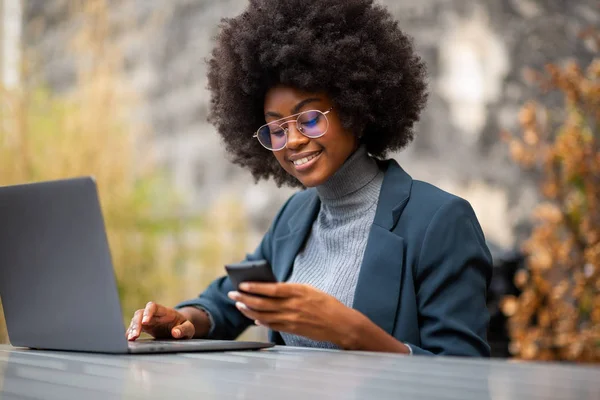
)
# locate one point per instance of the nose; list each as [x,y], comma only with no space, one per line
[295,138]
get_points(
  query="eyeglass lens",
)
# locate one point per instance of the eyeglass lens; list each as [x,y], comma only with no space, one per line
[311,124]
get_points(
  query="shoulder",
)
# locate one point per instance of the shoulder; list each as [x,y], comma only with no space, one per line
[433,211]
[448,226]
[442,213]
[433,201]
[423,200]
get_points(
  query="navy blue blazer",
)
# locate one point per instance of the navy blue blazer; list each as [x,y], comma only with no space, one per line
[423,279]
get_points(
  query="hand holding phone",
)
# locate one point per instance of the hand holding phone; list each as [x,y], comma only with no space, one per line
[250,271]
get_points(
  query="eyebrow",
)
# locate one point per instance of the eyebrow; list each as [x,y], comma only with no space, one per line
[295,110]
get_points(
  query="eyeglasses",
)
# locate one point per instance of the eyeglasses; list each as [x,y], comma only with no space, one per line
[312,124]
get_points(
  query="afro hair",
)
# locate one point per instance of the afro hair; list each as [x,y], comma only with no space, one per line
[353,50]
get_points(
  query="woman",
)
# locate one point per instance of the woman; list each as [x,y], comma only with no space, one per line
[370,259]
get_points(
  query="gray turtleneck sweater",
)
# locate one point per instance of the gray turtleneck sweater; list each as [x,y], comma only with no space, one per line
[331,258]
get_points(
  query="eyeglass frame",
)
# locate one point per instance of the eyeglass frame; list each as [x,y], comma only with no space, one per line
[285,130]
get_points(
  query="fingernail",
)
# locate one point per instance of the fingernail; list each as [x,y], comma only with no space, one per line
[232,295]
[176,333]
[245,286]
[145,319]
[257,322]
[241,306]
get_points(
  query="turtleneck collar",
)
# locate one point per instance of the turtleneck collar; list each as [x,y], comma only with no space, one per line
[355,177]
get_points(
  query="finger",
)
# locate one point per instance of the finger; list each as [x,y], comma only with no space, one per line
[154,313]
[185,330]
[263,317]
[134,326]
[257,303]
[249,313]
[280,290]
[149,312]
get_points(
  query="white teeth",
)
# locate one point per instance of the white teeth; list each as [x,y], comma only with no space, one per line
[305,159]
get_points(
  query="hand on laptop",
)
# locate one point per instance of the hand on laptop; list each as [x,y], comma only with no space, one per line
[160,322]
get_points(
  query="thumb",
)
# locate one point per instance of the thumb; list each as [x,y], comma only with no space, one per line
[185,330]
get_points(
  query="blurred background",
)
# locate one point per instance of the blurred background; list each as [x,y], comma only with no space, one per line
[116,89]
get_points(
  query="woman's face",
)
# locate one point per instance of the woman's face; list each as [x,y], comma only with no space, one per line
[325,154]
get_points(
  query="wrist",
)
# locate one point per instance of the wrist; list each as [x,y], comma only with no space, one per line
[199,318]
[364,335]
[354,333]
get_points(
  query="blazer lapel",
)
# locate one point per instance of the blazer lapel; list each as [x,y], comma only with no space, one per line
[286,247]
[382,268]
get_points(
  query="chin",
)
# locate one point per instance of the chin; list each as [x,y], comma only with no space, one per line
[312,181]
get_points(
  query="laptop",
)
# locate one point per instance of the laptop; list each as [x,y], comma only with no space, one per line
[57,283]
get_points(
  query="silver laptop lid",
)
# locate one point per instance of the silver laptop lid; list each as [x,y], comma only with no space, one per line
[57,283]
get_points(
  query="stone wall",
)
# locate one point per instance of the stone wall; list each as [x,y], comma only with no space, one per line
[475,51]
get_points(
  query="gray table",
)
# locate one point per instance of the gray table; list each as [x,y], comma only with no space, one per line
[285,373]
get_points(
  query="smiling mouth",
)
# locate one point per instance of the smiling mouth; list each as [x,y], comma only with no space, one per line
[304,160]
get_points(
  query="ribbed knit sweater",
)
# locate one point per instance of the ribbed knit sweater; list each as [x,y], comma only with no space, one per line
[331,258]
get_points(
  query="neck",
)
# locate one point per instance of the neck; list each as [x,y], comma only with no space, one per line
[353,176]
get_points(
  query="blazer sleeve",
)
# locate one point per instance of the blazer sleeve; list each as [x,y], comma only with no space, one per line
[226,320]
[453,275]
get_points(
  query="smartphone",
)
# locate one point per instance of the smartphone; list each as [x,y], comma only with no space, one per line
[250,271]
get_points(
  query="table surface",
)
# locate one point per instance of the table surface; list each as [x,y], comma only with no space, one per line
[286,373]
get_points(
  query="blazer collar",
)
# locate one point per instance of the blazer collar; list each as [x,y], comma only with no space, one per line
[382,269]
[394,195]
[289,244]
[305,214]
[395,191]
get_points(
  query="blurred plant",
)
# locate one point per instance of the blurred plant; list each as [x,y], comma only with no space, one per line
[157,254]
[3,334]
[557,315]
